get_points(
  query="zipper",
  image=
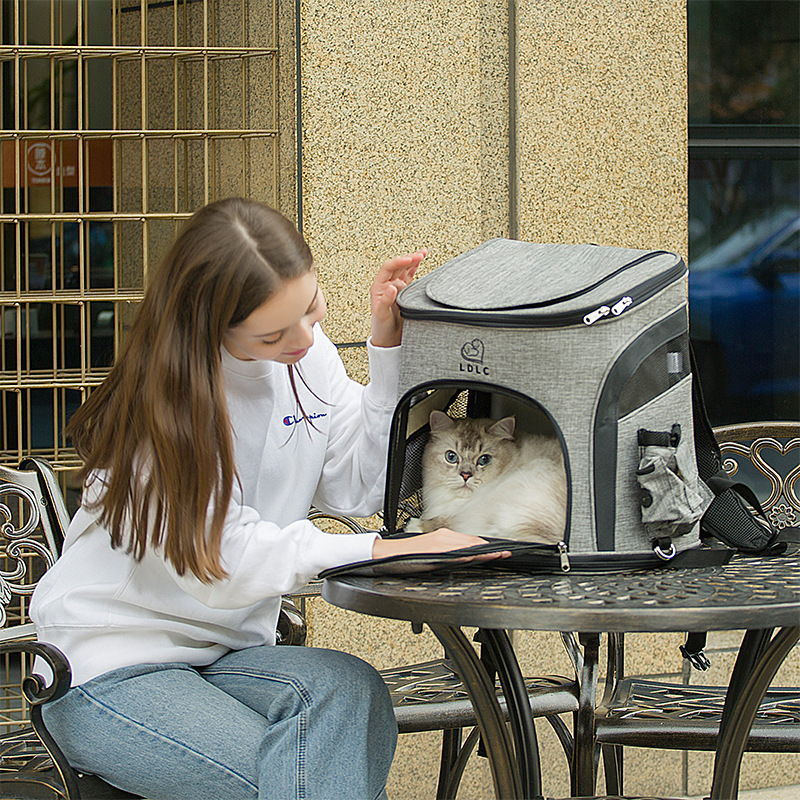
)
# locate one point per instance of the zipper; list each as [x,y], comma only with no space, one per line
[563,557]
[503,319]
[624,303]
[598,313]
[618,308]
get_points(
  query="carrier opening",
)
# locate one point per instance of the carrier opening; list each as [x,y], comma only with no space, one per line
[411,432]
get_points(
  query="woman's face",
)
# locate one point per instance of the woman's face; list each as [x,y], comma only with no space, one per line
[281,329]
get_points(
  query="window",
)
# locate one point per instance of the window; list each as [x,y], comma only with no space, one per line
[744,206]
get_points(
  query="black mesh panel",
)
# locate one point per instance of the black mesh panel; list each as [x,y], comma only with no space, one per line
[663,368]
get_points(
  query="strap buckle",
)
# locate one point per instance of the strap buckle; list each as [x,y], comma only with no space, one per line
[698,660]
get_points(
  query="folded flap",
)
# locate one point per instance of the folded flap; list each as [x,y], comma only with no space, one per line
[414,563]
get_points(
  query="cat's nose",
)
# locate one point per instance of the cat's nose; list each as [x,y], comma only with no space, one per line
[466,475]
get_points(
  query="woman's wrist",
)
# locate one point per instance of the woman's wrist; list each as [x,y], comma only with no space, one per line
[384,336]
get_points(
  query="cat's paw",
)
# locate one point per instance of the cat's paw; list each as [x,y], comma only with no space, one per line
[414,525]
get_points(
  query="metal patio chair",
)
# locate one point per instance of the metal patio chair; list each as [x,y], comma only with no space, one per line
[33,521]
[684,716]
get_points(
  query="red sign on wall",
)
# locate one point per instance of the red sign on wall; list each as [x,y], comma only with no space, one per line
[42,160]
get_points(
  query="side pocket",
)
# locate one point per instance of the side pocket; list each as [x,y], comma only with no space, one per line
[671,505]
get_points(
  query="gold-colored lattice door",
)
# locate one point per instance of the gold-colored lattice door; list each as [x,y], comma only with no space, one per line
[120,118]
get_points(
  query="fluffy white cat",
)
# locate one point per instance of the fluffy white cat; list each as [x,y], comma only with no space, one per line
[479,478]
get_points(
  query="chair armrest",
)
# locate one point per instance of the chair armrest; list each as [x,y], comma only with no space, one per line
[25,632]
[34,687]
[291,624]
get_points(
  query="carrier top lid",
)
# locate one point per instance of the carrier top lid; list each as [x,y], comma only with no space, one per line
[529,280]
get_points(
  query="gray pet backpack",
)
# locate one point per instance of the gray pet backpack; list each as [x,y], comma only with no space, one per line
[586,343]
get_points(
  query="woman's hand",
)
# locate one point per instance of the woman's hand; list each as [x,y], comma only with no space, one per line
[394,275]
[440,541]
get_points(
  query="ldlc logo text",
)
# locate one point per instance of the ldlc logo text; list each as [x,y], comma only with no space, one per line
[472,353]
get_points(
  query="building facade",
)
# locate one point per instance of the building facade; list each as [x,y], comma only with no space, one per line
[379,127]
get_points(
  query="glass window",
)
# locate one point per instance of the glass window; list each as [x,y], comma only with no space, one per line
[744,206]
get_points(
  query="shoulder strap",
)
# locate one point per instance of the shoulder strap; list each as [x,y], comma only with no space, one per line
[709,456]
[727,518]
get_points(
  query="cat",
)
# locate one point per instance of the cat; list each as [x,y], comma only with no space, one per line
[479,478]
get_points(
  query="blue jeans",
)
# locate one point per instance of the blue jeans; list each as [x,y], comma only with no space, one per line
[284,723]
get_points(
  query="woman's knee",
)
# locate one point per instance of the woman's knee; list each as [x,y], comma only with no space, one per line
[355,683]
[279,681]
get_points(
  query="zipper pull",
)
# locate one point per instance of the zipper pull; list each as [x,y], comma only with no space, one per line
[563,557]
[597,314]
[620,306]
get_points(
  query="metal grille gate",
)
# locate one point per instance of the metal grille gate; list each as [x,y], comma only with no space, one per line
[120,118]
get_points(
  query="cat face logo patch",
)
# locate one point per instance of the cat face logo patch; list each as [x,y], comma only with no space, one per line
[472,352]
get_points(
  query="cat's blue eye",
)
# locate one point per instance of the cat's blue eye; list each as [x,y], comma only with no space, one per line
[451,457]
[484,460]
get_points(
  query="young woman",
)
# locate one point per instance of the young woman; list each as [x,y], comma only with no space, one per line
[227,414]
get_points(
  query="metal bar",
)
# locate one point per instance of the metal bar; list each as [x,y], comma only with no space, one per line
[584,771]
[513,170]
[519,710]
[298,122]
[134,52]
[737,719]
[447,788]
[495,735]
[138,133]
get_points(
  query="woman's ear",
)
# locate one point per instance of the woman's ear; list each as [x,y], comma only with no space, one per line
[440,422]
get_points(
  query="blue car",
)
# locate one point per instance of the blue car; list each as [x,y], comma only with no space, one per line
[744,315]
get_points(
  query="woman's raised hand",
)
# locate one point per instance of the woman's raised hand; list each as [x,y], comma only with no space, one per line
[394,275]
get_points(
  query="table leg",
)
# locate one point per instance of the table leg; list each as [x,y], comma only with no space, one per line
[741,705]
[496,737]
[584,773]
[519,710]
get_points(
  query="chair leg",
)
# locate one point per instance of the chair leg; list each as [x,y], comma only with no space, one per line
[451,746]
[583,763]
[563,734]
[65,771]
[612,764]
[450,790]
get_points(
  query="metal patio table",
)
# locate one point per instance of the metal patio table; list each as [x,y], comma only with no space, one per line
[758,595]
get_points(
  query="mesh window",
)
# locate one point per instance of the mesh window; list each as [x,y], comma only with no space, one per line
[663,368]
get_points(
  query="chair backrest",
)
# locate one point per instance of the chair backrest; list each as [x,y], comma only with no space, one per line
[766,456]
[33,521]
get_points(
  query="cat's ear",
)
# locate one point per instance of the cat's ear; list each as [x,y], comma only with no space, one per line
[503,428]
[441,422]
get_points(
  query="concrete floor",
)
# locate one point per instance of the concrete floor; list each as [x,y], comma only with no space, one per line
[774,793]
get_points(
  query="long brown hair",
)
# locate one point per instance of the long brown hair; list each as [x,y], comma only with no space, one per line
[159,423]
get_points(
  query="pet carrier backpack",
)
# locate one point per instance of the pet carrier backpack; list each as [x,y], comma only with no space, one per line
[586,343]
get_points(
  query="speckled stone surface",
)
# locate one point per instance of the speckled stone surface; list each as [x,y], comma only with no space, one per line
[404,137]
[602,136]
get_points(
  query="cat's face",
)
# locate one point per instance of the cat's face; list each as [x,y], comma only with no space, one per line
[464,454]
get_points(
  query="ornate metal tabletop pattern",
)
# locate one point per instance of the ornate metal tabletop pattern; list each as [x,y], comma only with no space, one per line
[747,592]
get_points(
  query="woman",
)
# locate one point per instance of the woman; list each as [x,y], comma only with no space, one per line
[226,415]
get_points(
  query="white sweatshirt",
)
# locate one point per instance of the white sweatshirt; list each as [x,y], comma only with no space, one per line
[105,610]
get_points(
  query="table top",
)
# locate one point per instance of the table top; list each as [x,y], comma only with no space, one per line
[747,593]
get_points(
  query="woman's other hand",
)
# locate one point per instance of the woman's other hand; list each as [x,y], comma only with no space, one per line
[393,276]
[442,540]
